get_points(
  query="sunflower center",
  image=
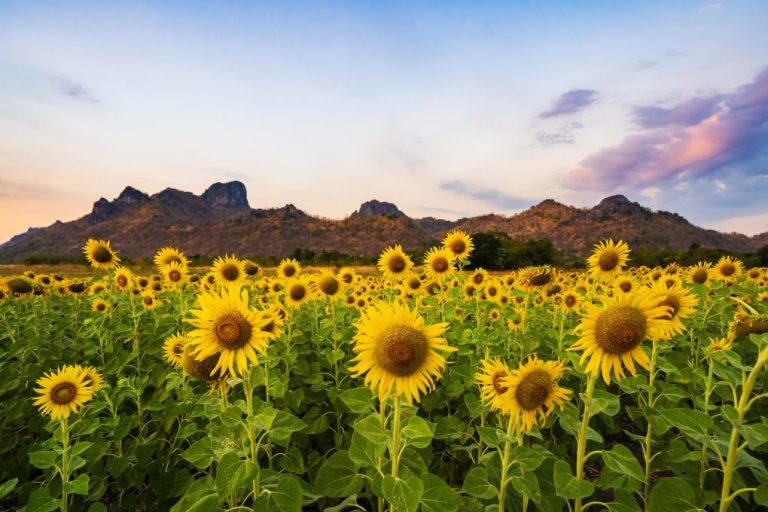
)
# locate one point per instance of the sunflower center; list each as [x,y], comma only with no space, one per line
[700,276]
[101,306]
[174,276]
[297,292]
[620,329]
[492,291]
[347,278]
[19,286]
[230,272]
[608,260]
[63,393]
[625,286]
[540,279]
[76,288]
[440,265]
[122,281]
[458,246]
[533,389]
[178,349]
[401,350]
[270,327]
[570,301]
[414,283]
[289,270]
[102,255]
[396,263]
[727,269]
[232,330]
[148,301]
[329,285]
[497,380]
[673,303]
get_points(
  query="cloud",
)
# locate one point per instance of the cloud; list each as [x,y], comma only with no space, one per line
[747,224]
[564,135]
[486,195]
[25,189]
[74,90]
[692,140]
[571,102]
[645,64]
[650,192]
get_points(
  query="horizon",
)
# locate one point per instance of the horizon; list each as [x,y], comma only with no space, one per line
[445,110]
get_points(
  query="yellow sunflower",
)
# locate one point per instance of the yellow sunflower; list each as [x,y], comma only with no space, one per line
[490,378]
[123,278]
[173,348]
[288,268]
[536,278]
[92,378]
[168,255]
[700,273]
[347,275]
[744,324]
[228,270]
[63,392]
[608,259]
[397,353]
[571,301]
[394,263]
[533,392]
[680,301]
[201,370]
[174,274]
[478,277]
[227,326]
[297,291]
[100,305]
[100,255]
[149,301]
[728,268]
[438,263]
[624,284]
[459,244]
[328,284]
[613,333]
[718,345]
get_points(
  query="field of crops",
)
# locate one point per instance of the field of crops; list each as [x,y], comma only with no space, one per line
[425,387]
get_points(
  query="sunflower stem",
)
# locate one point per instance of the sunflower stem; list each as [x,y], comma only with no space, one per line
[707,393]
[64,464]
[394,448]
[581,444]
[505,464]
[248,389]
[649,430]
[733,445]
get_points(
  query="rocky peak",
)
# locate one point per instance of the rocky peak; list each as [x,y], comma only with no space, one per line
[130,195]
[291,212]
[374,207]
[226,195]
[174,197]
[619,205]
[101,211]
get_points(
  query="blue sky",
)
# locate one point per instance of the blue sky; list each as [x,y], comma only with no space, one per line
[447,109]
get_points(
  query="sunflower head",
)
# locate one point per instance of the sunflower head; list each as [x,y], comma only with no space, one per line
[63,392]
[228,271]
[149,301]
[173,348]
[201,370]
[394,263]
[168,255]
[438,263]
[297,291]
[729,268]
[347,275]
[19,286]
[289,268]
[100,305]
[397,353]
[491,378]
[174,274]
[533,393]
[328,284]
[459,244]
[608,259]
[100,255]
[92,378]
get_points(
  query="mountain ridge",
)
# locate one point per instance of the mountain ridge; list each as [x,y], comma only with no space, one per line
[220,220]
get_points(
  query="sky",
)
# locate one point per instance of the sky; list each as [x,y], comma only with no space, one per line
[445,108]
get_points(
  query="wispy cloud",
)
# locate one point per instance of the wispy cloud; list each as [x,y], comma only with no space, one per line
[643,64]
[694,139]
[488,196]
[25,189]
[564,135]
[74,90]
[571,102]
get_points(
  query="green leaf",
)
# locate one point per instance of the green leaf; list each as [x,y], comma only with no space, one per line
[363,452]
[688,421]
[621,460]
[358,400]
[489,436]
[79,448]
[604,402]
[761,495]
[418,431]
[527,484]
[438,495]
[98,507]
[199,502]
[403,494]
[285,498]
[527,458]
[263,419]
[755,434]
[568,486]
[42,501]
[78,486]
[370,428]
[200,454]
[338,477]
[283,426]
[7,487]
[43,460]
[476,484]
[672,495]
[232,472]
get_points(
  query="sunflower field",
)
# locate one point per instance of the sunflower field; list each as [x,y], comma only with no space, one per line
[426,387]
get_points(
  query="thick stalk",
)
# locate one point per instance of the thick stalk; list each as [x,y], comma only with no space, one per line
[64,464]
[394,449]
[581,443]
[707,394]
[250,429]
[505,465]
[649,431]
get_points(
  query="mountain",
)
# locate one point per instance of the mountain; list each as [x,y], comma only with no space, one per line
[221,221]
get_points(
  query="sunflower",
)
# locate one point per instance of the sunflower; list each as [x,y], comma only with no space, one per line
[493,290]
[328,284]
[347,275]
[168,255]
[535,278]
[680,301]
[490,379]
[719,345]
[92,378]
[412,283]
[100,255]
[227,326]
[478,277]
[397,352]
[700,273]
[228,270]
[19,286]
[728,268]
[297,291]
[174,274]
[623,284]
[251,269]
[201,370]
[533,392]
[100,305]
[571,301]
[149,301]
[438,263]
[173,348]
[289,268]
[612,334]
[744,324]
[608,259]
[63,392]
[394,263]
[459,244]
[274,317]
